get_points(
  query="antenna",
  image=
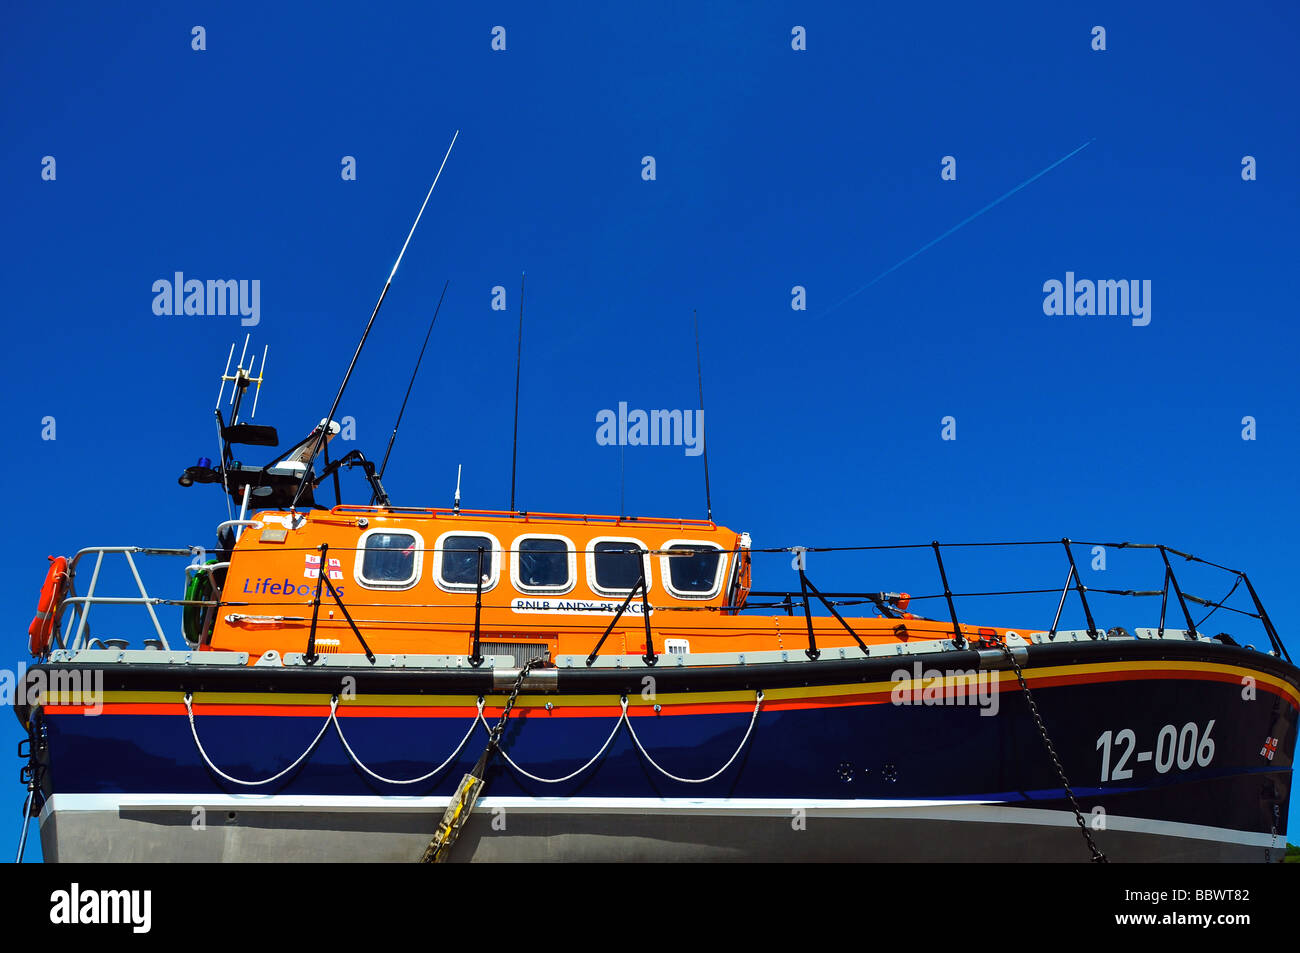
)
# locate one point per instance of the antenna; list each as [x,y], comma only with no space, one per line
[418,361]
[241,379]
[320,437]
[240,382]
[258,393]
[225,375]
[519,354]
[455,506]
[699,369]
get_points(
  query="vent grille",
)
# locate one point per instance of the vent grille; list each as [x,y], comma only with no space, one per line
[523,652]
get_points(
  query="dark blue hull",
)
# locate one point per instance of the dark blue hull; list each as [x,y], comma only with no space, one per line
[1204,773]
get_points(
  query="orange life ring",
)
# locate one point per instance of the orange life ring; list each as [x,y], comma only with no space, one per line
[41,630]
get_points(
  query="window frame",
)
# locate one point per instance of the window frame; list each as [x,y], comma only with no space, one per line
[417,565]
[591,565]
[570,553]
[719,576]
[493,578]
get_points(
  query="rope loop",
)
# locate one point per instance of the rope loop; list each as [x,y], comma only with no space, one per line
[189,711]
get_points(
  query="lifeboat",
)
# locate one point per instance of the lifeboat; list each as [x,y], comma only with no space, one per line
[612,688]
[365,681]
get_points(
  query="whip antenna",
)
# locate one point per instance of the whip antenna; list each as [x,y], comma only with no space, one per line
[320,436]
[699,370]
[393,436]
[519,354]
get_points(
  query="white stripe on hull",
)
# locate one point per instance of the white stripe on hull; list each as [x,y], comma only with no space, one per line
[978,812]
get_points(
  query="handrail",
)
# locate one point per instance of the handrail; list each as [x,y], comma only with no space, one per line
[82,604]
[72,627]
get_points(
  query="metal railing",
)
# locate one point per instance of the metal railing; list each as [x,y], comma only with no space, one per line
[886,602]
[75,609]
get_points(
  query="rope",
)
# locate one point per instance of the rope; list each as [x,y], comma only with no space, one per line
[758,701]
[189,710]
[624,719]
[424,777]
[596,757]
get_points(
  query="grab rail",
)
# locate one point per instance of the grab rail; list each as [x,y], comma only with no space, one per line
[72,623]
[82,604]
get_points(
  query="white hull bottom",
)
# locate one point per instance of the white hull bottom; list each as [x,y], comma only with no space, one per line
[278,828]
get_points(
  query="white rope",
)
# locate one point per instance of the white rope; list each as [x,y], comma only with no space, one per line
[567,777]
[424,777]
[189,710]
[758,701]
[333,719]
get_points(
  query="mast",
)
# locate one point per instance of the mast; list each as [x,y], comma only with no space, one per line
[393,436]
[320,438]
[519,355]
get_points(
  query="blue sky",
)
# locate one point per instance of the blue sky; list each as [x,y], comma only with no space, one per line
[774,168]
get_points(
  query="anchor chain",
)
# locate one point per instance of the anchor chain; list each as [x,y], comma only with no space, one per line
[471,786]
[1097,856]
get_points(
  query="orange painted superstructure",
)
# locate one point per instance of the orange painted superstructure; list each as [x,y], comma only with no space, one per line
[271,584]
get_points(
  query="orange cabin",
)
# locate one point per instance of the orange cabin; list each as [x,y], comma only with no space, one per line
[414,581]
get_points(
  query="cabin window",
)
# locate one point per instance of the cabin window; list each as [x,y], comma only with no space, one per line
[544,564]
[389,560]
[456,562]
[615,565]
[695,574]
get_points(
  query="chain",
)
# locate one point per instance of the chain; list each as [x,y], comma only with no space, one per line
[495,734]
[471,786]
[1097,856]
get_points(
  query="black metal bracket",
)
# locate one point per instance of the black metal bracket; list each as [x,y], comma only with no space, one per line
[1273,637]
[370,656]
[310,656]
[322,580]
[475,654]
[812,651]
[650,658]
[1081,589]
[1171,578]
[958,639]
[355,458]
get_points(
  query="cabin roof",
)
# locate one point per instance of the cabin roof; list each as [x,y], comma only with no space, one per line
[520,517]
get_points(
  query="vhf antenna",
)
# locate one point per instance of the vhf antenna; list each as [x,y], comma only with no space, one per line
[320,436]
[519,354]
[242,378]
[699,369]
[418,361]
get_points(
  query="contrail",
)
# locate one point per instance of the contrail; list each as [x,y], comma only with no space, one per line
[965,221]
